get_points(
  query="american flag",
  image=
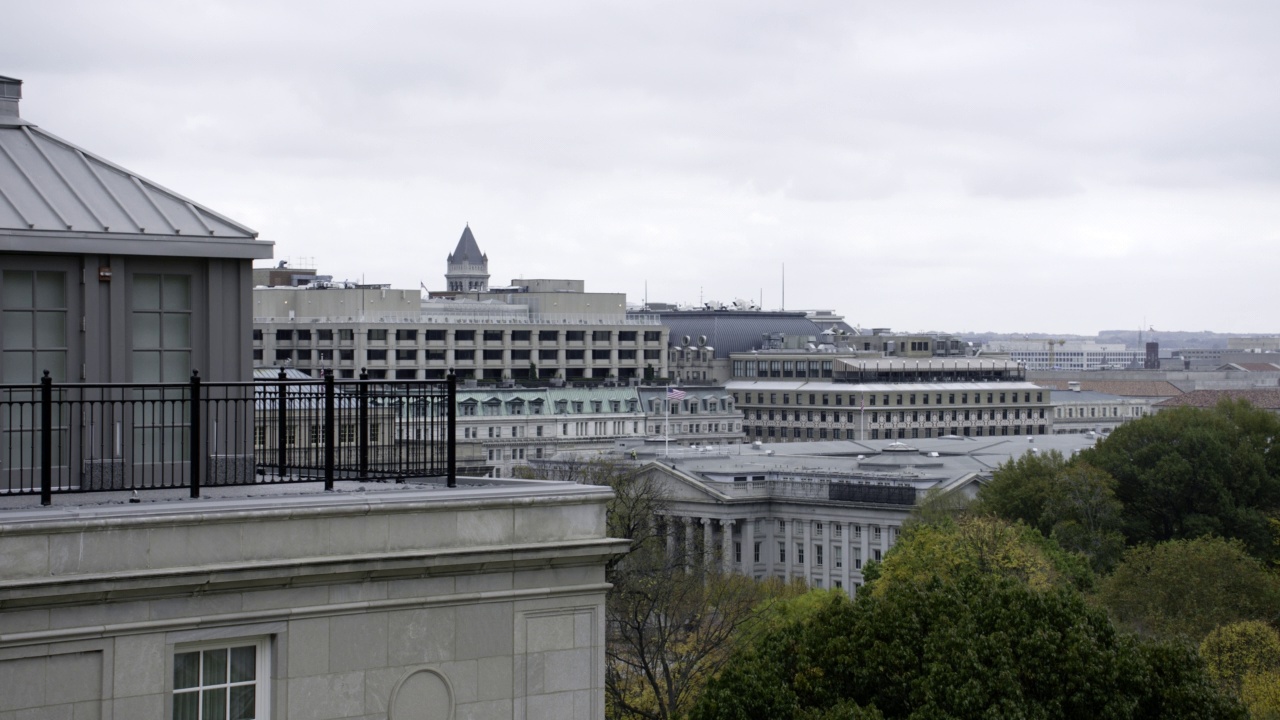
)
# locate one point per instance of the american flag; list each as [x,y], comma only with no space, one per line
[674,394]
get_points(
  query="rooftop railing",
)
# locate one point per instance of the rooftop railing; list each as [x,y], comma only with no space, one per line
[82,437]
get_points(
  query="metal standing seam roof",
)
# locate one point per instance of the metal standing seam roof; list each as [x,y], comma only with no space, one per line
[46,183]
[56,197]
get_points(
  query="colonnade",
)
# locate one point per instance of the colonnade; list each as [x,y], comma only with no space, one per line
[824,553]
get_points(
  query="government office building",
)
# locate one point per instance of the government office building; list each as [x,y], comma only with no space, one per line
[808,396]
[530,330]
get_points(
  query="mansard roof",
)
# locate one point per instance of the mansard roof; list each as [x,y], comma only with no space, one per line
[468,252]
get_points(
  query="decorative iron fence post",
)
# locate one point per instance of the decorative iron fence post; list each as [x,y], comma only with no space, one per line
[451,432]
[328,429]
[281,425]
[196,454]
[46,439]
[362,423]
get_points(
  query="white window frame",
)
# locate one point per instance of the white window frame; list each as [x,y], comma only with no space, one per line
[261,681]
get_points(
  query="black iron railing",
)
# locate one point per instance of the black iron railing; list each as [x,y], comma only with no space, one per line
[81,437]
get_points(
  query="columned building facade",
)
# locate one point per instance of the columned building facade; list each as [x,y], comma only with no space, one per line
[823,398]
[790,544]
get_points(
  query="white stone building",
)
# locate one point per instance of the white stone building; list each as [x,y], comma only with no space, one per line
[818,512]
[1068,354]
[1084,411]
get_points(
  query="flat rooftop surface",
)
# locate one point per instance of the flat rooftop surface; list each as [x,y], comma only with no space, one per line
[16,508]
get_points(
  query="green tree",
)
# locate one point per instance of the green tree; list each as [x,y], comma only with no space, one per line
[1083,515]
[982,545]
[1186,588]
[1189,472]
[1261,694]
[1019,488]
[939,506]
[1233,652]
[1072,502]
[978,646]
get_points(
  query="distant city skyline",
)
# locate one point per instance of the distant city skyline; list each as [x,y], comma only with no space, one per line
[1005,167]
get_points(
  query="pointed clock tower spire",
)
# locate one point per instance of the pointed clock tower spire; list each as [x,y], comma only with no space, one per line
[468,268]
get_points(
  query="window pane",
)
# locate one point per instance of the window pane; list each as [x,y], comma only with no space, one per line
[186,670]
[51,329]
[17,330]
[146,366]
[243,663]
[244,702]
[177,330]
[215,667]
[55,361]
[17,289]
[177,366]
[214,702]
[18,367]
[146,330]
[177,292]
[185,705]
[51,290]
[146,292]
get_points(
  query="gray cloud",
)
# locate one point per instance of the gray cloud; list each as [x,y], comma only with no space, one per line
[1003,165]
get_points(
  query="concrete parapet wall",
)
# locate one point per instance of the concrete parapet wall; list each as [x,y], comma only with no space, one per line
[471,602]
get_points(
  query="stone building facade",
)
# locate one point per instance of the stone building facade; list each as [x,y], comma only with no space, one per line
[809,397]
[484,601]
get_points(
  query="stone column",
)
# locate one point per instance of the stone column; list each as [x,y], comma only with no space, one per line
[807,539]
[669,522]
[827,559]
[726,538]
[749,547]
[867,543]
[846,553]
[768,549]
[787,549]
[708,543]
[689,546]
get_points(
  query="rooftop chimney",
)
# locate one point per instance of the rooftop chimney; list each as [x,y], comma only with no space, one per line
[10,94]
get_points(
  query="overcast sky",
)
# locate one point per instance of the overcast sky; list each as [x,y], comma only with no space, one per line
[1014,166]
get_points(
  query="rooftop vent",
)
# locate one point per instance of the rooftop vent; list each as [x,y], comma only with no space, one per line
[10,94]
